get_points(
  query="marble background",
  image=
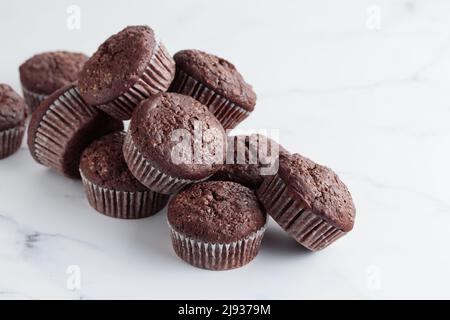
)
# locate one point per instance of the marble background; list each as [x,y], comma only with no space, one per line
[360,86]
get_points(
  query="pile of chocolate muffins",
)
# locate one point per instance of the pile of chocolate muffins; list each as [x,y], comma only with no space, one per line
[181,109]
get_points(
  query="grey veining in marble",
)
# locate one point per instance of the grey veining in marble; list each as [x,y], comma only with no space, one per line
[366,95]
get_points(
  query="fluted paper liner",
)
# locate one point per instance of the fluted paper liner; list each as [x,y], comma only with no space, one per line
[294,217]
[147,174]
[228,113]
[32,99]
[123,204]
[10,140]
[53,134]
[156,78]
[217,256]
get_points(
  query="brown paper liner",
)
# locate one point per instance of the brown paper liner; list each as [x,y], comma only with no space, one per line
[33,100]
[10,140]
[123,204]
[217,256]
[147,174]
[228,113]
[157,78]
[57,127]
[294,217]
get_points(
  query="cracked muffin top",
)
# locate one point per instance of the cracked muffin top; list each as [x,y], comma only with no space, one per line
[320,189]
[216,212]
[49,71]
[218,75]
[103,163]
[117,64]
[178,135]
[12,108]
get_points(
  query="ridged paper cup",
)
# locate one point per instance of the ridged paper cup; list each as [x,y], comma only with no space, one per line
[228,113]
[123,204]
[147,174]
[294,217]
[156,78]
[10,140]
[62,123]
[32,99]
[51,137]
[217,256]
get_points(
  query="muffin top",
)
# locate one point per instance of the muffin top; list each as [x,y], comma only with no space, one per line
[216,211]
[103,163]
[178,135]
[117,65]
[12,108]
[320,188]
[47,72]
[249,159]
[217,74]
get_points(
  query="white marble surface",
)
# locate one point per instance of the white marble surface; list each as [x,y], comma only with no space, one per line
[371,101]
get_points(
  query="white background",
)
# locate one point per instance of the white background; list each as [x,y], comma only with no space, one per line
[370,100]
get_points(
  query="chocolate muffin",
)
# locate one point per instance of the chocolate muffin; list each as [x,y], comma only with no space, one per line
[250,159]
[309,201]
[127,68]
[216,225]
[173,140]
[216,83]
[12,121]
[110,187]
[44,73]
[63,126]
